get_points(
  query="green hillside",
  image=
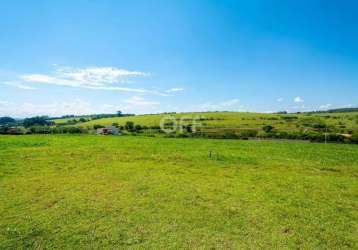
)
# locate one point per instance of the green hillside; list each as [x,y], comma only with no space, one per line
[339,122]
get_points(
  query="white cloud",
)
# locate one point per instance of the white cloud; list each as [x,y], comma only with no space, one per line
[225,105]
[129,90]
[78,77]
[100,78]
[75,107]
[172,90]
[95,78]
[19,85]
[134,104]
[298,99]
[325,106]
[4,103]
[280,99]
[330,106]
[139,101]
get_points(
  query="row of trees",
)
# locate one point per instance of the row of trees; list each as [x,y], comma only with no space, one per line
[20,130]
[81,119]
[312,136]
[35,125]
[28,122]
[129,126]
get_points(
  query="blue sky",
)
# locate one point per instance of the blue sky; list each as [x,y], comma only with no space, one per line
[80,57]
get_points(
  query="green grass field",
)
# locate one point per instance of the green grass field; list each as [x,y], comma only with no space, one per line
[90,192]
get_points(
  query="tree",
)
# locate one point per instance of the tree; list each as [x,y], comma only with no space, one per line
[6,120]
[96,126]
[189,128]
[119,113]
[129,126]
[82,119]
[268,128]
[138,127]
[36,121]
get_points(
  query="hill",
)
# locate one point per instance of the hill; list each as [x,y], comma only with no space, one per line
[337,122]
[319,127]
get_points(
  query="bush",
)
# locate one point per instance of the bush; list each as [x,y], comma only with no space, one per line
[96,126]
[129,126]
[267,128]
[137,127]
[354,138]
[17,130]
[247,134]
[56,130]
[40,130]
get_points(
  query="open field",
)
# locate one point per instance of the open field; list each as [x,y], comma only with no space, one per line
[136,192]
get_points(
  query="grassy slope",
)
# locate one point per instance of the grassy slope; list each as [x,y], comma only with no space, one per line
[88,191]
[241,120]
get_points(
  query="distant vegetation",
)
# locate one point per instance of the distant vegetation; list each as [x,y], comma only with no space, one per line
[72,119]
[314,126]
[341,110]
[7,120]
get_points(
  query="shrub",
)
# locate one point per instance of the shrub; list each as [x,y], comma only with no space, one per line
[96,126]
[18,130]
[267,128]
[289,118]
[354,138]
[137,127]
[247,134]
[40,130]
[129,126]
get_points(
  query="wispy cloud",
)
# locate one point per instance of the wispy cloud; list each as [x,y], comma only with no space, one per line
[225,105]
[325,106]
[173,90]
[75,107]
[139,101]
[134,104]
[84,77]
[298,99]
[280,99]
[19,85]
[331,106]
[98,78]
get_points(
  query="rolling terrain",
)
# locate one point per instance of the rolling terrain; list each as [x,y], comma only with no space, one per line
[318,127]
[339,121]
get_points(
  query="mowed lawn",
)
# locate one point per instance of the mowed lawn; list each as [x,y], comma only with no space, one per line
[90,192]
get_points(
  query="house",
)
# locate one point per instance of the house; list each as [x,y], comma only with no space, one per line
[110,130]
